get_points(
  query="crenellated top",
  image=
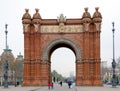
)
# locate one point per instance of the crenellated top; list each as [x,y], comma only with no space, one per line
[62,22]
[86,18]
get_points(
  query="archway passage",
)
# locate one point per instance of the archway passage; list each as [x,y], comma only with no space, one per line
[63,62]
[43,36]
[58,43]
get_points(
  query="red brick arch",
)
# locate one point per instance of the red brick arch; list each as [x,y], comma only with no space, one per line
[61,42]
[43,36]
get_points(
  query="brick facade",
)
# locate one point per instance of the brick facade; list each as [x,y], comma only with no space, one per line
[43,36]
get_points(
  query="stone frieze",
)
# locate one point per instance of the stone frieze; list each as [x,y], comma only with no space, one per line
[64,28]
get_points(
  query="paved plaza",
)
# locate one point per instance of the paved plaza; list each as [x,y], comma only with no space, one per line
[57,87]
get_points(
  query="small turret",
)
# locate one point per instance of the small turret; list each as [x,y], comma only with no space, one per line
[86,18]
[97,17]
[26,15]
[26,19]
[36,17]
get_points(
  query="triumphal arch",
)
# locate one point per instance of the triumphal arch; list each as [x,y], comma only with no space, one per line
[43,36]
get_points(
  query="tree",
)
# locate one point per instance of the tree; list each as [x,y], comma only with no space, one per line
[118,63]
[19,65]
[56,76]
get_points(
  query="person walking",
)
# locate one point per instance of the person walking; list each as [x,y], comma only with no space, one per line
[52,85]
[54,79]
[61,83]
[69,84]
[49,85]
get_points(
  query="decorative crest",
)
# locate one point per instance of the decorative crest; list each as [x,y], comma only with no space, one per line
[61,18]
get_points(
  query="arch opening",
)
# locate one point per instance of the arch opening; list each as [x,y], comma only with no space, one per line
[63,62]
[56,44]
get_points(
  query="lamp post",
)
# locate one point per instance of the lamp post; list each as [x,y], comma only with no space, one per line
[6,61]
[113,62]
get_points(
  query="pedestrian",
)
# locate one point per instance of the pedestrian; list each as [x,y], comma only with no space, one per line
[52,85]
[61,83]
[49,85]
[54,79]
[57,80]
[69,84]
[17,83]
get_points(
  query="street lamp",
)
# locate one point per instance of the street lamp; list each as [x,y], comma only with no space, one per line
[6,62]
[113,62]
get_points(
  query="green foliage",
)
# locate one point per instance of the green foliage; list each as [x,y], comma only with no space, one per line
[58,76]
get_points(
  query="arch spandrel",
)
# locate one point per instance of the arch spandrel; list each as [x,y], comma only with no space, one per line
[76,49]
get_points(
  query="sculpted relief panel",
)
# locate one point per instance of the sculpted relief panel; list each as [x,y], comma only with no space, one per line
[61,28]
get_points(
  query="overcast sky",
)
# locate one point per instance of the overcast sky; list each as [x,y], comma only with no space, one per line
[11,12]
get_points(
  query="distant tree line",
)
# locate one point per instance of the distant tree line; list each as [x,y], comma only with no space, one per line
[108,71]
[56,77]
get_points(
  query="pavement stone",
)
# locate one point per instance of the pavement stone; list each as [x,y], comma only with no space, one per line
[64,87]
